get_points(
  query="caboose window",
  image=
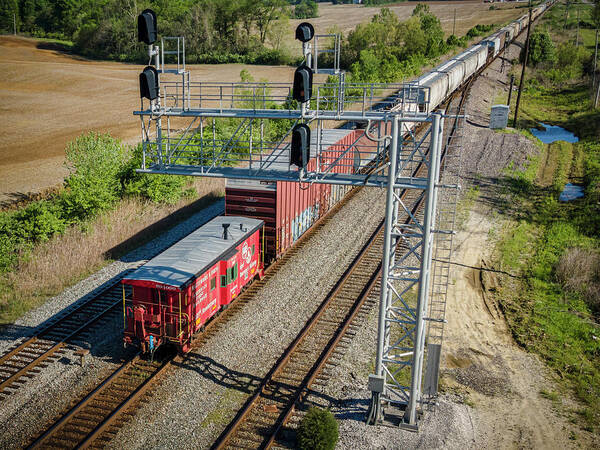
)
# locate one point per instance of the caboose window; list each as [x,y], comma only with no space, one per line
[213,283]
[234,272]
[223,281]
[252,249]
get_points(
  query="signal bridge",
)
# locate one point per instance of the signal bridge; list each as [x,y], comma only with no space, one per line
[180,120]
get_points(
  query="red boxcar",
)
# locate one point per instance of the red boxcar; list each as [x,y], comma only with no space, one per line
[175,293]
[289,208]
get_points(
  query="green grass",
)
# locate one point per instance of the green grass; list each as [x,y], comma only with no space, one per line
[544,317]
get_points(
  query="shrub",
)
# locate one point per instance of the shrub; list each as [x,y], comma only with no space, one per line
[39,221]
[306,9]
[157,188]
[318,430]
[578,270]
[95,162]
[541,48]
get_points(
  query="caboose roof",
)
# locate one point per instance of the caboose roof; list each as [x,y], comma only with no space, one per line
[195,253]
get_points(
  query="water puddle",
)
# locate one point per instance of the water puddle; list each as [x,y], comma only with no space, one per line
[571,192]
[552,133]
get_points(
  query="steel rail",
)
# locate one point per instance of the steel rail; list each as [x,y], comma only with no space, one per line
[52,338]
[211,327]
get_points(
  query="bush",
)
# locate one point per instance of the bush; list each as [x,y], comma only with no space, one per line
[318,430]
[578,270]
[95,163]
[541,49]
[156,188]
[306,9]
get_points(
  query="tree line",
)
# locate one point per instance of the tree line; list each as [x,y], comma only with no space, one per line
[248,31]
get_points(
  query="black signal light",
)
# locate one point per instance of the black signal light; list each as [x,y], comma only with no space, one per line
[303,79]
[305,32]
[149,83]
[147,31]
[300,151]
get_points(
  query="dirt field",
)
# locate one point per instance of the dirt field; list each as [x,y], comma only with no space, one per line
[49,98]
[468,14]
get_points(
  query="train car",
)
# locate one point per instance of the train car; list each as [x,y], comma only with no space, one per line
[178,291]
[455,71]
[471,58]
[437,88]
[289,208]
[493,44]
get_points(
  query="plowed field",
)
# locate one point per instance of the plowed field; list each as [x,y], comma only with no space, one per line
[49,97]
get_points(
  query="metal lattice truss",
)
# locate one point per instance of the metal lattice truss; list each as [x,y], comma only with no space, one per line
[180,129]
[406,273]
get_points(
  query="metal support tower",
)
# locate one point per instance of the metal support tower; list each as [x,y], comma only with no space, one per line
[405,286]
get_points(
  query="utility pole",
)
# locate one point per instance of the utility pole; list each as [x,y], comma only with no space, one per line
[15,24]
[454,23]
[577,35]
[595,60]
[523,69]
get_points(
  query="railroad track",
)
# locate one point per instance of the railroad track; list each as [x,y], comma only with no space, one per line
[28,358]
[105,409]
[101,413]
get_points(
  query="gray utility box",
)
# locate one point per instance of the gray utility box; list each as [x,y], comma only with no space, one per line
[499,117]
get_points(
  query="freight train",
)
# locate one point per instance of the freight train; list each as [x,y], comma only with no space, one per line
[177,292]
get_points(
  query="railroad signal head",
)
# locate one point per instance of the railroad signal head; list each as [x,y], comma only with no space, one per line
[305,32]
[300,151]
[303,79]
[149,83]
[147,31]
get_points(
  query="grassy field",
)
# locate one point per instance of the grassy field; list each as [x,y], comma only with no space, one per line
[553,308]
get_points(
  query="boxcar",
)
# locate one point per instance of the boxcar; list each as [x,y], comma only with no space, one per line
[438,88]
[288,208]
[176,292]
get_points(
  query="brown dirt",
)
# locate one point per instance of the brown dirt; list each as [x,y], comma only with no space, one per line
[49,98]
[468,14]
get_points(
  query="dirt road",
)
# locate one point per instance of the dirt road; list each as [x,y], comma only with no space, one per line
[49,98]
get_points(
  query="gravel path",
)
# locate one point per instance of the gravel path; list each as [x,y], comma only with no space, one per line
[37,401]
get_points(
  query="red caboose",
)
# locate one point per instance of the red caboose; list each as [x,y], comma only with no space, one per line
[176,292]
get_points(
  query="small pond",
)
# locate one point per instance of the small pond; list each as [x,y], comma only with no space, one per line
[571,192]
[553,133]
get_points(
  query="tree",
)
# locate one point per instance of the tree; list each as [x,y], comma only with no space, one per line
[541,48]
[596,14]
[9,9]
[268,11]
[306,9]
